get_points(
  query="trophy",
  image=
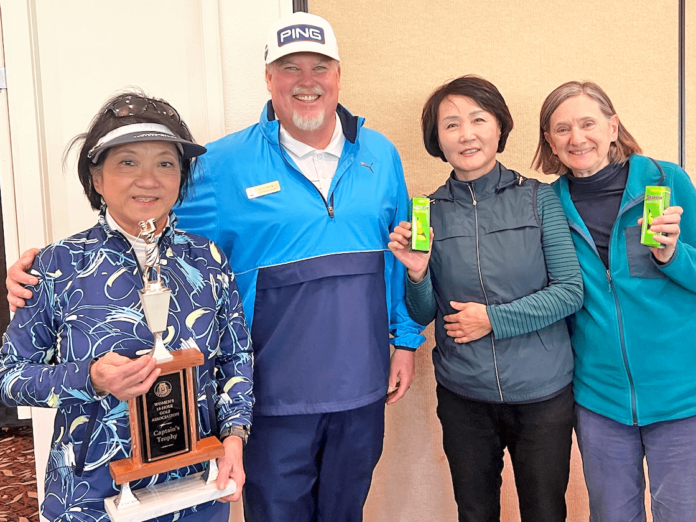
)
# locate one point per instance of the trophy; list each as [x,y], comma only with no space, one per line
[164,420]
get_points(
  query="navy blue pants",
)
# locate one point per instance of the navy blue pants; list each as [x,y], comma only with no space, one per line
[312,468]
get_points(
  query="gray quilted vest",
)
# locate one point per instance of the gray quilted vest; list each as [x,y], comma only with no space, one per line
[487,249]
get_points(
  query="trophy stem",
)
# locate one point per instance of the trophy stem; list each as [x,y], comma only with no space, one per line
[159,352]
[154,295]
[211,474]
[125,497]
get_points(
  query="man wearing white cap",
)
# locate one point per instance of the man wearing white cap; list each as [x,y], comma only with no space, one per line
[302,204]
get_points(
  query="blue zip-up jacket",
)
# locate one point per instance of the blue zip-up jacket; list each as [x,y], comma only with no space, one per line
[635,337]
[85,305]
[321,290]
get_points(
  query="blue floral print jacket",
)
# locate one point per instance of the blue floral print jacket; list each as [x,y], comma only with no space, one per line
[85,305]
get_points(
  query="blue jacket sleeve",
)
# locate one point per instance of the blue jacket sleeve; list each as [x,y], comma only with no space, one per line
[405,331]
[198,213]
[234,361]
[682,267]
[31,372]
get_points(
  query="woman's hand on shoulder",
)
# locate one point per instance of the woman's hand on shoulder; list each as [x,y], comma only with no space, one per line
[415,262]
[667,223]
[122,377]
[471,322]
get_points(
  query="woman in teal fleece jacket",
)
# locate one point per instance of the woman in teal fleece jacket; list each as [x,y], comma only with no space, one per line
[634,338]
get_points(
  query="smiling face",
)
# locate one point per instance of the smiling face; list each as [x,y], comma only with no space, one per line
[468,136]
[139,181]
[304,89]
[580,135]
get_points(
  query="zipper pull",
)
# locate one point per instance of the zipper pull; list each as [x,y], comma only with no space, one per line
[609,279]
[473,196]
[331,212]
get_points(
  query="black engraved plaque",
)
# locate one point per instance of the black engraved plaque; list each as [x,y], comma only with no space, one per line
[165,418]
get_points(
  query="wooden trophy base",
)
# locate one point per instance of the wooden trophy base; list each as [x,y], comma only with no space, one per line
[152,457]
[127,470]
[137,467]
[167,497]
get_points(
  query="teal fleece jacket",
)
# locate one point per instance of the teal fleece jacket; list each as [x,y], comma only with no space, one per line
[635,337]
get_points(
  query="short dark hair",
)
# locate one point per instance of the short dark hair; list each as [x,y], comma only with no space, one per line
[481,91]
[106,120]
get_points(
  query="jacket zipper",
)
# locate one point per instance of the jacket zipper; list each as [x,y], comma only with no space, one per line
[612,289]
[483,288]
[329,207]
[619,314]
[624,353]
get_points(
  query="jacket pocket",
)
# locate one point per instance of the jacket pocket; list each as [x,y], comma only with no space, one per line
[502,226]
[546,345]
[451,228]
[640,260]
[555,336]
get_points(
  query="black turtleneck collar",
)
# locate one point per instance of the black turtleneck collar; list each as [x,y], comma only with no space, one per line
[611,178]
[598,199]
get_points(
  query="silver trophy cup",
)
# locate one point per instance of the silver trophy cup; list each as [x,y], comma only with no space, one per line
[154,296]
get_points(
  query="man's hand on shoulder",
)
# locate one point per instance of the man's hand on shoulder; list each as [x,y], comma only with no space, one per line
[17,275]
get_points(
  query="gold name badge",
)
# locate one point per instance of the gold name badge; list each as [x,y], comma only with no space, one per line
[263,190]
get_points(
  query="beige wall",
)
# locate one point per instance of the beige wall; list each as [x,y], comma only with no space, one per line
[395,53]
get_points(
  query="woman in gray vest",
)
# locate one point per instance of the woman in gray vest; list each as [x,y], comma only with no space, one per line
[501,277]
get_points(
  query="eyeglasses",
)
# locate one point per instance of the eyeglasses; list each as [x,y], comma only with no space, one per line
[130,106]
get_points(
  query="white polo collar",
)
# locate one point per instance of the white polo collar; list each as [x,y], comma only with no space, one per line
[300,149]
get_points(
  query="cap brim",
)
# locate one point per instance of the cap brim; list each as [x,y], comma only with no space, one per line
[189,149]
[304,47]
[186,148]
